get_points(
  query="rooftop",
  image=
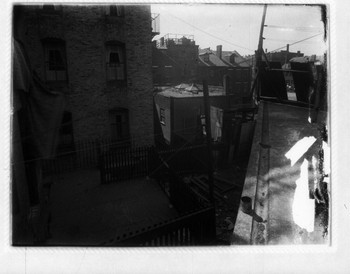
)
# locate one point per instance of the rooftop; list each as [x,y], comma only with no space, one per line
[190,90]
[287,214]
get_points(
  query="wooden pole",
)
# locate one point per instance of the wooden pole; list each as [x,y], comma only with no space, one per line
[260,52]
[209,142]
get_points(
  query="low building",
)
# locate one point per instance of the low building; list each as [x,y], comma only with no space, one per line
[283,56]
[178,112]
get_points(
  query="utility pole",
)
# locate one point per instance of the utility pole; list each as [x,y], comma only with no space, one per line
[260,52]
[209,144]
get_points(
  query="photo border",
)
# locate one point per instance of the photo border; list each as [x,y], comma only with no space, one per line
[238,259]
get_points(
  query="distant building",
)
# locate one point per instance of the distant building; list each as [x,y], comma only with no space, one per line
[214,66]
[100,58]
[175,59]
[283,56]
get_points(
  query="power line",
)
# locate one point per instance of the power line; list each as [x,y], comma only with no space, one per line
[286,40]
[297,42]
[301,29]
[216,37]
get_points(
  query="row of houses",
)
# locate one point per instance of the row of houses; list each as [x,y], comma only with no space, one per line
[102,59]
[177,58]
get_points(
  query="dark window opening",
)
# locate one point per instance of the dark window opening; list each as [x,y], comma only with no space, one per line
[114,59]
[48,8]
[117,11]
[115,62]
[55,60]
[119,121]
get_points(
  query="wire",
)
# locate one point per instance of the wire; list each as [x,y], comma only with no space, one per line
[216,37]
[300,29]
[285,40]
[307,38]
[297,42]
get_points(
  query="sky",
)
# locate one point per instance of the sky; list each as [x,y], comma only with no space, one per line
[237,26]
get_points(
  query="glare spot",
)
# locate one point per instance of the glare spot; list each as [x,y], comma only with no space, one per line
[303,206]
[298,150]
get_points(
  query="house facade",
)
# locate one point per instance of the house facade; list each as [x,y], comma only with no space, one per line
[99,56]
[215,65]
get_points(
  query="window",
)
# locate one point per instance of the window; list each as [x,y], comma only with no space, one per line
[48,8]
[51,9]
[115,62]
[162,116]
[239,74]
[115,10]
[55,60]
[211,73]
[119,121]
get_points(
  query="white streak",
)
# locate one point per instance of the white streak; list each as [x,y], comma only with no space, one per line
[298,150]
[303,206]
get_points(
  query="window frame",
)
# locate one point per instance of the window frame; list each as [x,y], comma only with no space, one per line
[55,75]
[119,48]
[162,116]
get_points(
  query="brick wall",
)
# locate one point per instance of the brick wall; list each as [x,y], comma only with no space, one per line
[85,30]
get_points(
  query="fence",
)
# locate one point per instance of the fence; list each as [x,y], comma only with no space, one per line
[124,163]
[84,154]
[195,228]
[127,163]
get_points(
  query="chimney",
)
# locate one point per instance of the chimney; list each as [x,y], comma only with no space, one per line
[219,51]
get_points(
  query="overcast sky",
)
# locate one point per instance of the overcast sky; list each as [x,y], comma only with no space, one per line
[237,27]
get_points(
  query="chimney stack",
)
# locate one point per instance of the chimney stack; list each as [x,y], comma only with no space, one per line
[219,51]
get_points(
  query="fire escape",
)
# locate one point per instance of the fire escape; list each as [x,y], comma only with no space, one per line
[155,24]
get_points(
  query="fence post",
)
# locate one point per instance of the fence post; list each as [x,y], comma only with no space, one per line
[102,170]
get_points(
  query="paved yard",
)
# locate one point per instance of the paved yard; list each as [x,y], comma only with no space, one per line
[84,212]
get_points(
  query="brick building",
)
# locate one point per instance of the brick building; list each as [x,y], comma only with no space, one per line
[100,58]
[175,59]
